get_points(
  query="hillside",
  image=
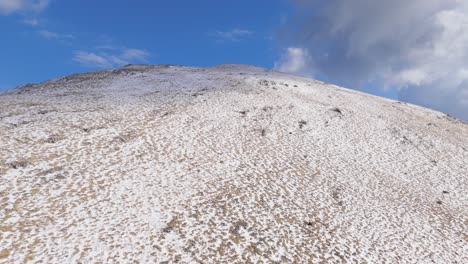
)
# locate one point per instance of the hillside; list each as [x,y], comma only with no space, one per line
[232,164]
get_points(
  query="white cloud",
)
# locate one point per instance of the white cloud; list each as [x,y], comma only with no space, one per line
[114,57]
[295,61]
[11,6]
[233,35]
[418,47]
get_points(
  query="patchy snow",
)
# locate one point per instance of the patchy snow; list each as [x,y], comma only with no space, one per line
[226,164]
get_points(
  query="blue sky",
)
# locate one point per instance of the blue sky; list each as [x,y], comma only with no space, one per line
[411,50]
[66,37]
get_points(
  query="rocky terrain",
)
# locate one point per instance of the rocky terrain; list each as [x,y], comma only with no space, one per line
[229,164]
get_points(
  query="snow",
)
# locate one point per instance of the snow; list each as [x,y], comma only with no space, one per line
[226,164]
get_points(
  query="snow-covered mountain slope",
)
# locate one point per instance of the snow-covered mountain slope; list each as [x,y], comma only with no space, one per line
[230,164]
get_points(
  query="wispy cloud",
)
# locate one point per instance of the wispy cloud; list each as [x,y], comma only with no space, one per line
[11,6]
[54,35]
[134,55]
[32,22]
[233,35]
[91,59]
[110,57]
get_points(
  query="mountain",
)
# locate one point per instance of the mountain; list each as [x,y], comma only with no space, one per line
[228,164]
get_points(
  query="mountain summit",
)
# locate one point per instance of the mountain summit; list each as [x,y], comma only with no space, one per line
[229,164]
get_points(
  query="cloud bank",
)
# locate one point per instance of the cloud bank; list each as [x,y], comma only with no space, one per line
[418,47]
[11,6]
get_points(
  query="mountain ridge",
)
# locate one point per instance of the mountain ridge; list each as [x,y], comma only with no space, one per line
[142,67]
